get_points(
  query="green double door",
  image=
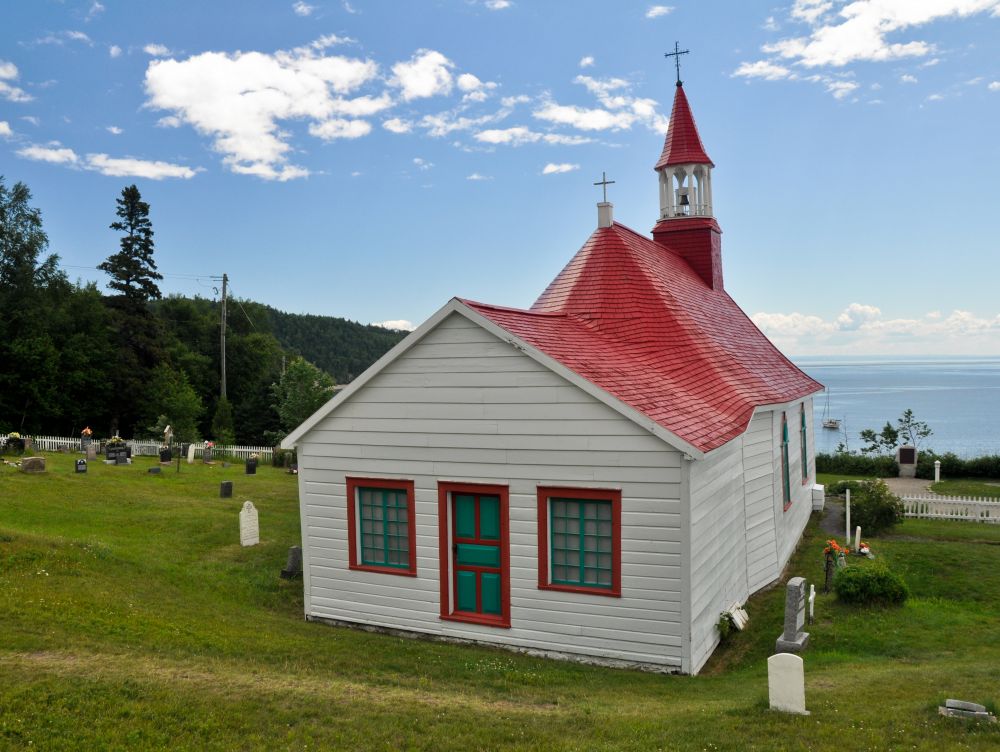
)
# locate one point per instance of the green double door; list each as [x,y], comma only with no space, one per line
[476,548]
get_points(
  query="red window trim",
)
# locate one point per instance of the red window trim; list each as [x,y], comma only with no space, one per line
[600,494]
[444,519]
[352,524]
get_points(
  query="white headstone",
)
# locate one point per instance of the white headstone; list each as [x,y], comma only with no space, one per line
[191,454]
[812,602]
[249,528]
[857,538]
[786,683]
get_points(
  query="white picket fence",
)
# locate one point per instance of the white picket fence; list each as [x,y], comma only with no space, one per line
[152,448]
[968,509]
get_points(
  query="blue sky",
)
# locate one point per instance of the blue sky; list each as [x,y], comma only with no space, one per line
[373,159]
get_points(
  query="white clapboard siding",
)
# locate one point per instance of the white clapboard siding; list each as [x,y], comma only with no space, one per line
[718,540]
[462,405]
[790,522]
[759,489]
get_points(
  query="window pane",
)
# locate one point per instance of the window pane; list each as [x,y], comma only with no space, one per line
[384,527]
[580,542]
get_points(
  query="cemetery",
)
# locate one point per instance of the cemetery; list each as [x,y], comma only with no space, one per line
[150,596]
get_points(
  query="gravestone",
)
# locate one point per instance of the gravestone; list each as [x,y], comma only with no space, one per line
[249,527]
[906,456]
[786,683]
[153,471]
[33,465]
[190,454]
[226,489]
[857,539]
[812,603]
[793,639]
[91,452]
[85,441]
[251,467]
[293,568]
[116,453]
[121,459]
[206,454]
[81,466]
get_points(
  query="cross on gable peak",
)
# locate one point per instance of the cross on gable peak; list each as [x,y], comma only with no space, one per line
[604,183]
[676,55]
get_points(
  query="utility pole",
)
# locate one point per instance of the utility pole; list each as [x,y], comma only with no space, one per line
[225,281]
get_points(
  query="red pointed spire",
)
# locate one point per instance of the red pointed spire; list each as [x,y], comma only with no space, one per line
[683,144]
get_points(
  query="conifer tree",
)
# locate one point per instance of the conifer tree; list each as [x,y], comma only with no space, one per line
[132,269]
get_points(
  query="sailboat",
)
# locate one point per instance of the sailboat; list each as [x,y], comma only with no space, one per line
[828,422]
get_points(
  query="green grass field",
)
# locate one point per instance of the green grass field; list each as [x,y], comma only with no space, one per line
[978,487]
[131,618]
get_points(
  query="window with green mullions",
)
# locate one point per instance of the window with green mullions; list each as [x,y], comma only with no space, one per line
[385,527]
[581,535]
[802,438]
[787,484]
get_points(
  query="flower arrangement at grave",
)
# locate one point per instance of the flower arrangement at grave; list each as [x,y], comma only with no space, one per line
[864,549]
[87,432]
[116,441]
[209,444]
[14,435]
[253,457]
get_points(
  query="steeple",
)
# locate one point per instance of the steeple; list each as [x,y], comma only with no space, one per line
[684,167]
[686,224]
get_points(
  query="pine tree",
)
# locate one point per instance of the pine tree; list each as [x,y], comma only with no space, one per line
[132,269]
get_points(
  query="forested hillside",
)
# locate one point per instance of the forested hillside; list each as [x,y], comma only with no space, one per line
[133,361]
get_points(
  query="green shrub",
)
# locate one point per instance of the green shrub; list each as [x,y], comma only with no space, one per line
[953,466]
[874,507]
[857,464]
[838,488]
[870,585]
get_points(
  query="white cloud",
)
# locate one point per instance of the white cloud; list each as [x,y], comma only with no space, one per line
[399,324]
[993,86]
[906,78]
[8,72]
[519,135]
[862,329]
[302,8]
[335,128]
[770,24]
[476,176]
[156,50]
[935,98]
[763,69]
[397,125]
[554,169]
[5,129]
[587,61]
[114,130]
[444,123]
[31,119]
[357,174]
[860,30]
[426,74]
[54,155]
[114,50]
[170,121]
[475,90]
[350,8]
[498,4]
[139,168]
[841,89]
[238,99]
[60,38]
[106,165]
[96,9]
[655,11]
[422,164]
[583,118]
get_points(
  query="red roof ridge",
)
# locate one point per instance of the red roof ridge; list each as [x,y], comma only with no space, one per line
[510,309]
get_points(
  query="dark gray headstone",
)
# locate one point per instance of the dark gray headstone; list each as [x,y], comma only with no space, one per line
[226,489]
[793,639]
[81,466]
[153,471]
[293,568]
[251,467]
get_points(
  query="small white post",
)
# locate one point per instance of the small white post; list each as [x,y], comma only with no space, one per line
[848,513]
[937,471]
[812,602]
[857,538]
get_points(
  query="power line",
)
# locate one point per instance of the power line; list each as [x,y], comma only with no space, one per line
[247,315]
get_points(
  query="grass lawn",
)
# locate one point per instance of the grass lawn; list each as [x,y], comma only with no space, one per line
[131,618]
[827,478]
[988,487]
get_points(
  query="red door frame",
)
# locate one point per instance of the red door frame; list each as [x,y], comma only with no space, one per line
[445,488]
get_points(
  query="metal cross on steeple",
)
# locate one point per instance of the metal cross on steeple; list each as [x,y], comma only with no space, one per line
[676,55]
[604,183]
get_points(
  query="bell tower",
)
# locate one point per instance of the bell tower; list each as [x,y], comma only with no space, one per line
[684,170]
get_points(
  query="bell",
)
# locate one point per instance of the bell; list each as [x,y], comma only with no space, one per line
[684,200]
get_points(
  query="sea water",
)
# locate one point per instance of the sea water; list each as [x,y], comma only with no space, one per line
[959,398]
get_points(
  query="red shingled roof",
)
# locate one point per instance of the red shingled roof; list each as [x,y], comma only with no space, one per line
[683,144]
[632,317]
